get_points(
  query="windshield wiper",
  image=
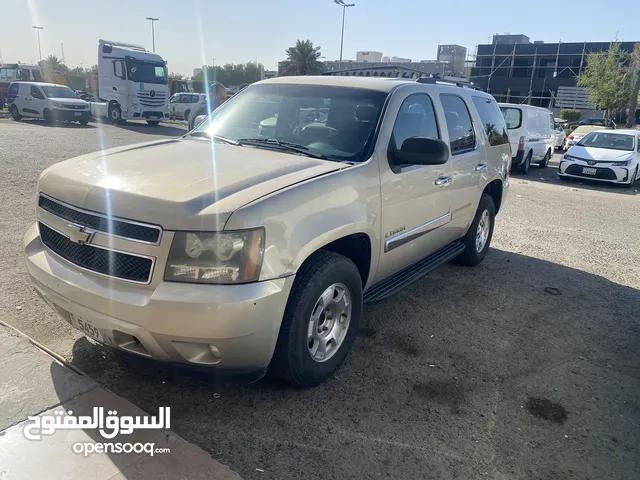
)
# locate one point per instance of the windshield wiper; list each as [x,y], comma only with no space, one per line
[215,137]
[281,145]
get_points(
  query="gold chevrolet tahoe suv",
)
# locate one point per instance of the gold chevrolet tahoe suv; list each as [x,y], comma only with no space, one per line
[251,243]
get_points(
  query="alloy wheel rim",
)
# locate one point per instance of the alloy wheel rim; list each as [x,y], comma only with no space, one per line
[329,322]
[482,232]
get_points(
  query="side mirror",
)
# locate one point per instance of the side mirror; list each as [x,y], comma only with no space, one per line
[422,151]
[199,119]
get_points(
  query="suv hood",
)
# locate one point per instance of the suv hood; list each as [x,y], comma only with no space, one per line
[178,184]
[69,101]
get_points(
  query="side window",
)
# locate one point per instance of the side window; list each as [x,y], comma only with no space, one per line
[459,125]
[172,99]
[13,92]
[492,120]
[195,98]
[36,93]
[416,118]
[118,69]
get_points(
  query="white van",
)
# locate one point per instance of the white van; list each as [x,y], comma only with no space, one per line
[46,101]
[531,134]
[180,104]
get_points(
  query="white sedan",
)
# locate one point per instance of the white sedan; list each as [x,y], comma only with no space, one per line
[606,155]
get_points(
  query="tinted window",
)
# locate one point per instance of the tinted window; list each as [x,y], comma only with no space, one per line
[492,120]
[58,92]
[610,141]
[35,93]
[416,118]
[459,124]
[512,117]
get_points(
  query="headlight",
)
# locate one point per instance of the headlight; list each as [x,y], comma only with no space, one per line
[221,257]
[569,158]
[626,163]
[57,104]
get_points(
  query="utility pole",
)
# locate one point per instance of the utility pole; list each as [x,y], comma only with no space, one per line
[62,47]
[533,69]
[38,30]
[344,6]
[153,33]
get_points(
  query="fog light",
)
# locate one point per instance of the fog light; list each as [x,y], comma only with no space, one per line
[215,352]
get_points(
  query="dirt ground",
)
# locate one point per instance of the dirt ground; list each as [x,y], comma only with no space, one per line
[525,367]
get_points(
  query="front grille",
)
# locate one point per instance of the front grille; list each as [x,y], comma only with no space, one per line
[601,173]
[75,107]
[97,222]
[99,260]
[145,98]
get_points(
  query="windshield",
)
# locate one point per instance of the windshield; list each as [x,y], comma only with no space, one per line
[334,122]
[612,141]
[58,92]
[512,117]
[147,72]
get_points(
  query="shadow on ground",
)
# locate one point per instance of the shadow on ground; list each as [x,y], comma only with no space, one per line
[460,375]
[32,122]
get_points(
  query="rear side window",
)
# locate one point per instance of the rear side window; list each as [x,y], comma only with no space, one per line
[13,92]
[459,124]
[492,120]
[512,117]
[36,93]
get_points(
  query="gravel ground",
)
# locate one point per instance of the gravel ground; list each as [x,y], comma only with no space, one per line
[470,373]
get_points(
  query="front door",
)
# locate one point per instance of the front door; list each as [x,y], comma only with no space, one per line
[415,198]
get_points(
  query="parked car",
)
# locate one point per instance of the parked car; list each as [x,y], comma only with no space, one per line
[599,122]
[180,104]
[606,155]
[46,101]
[531,133]
[264,257]
[575,136]
[561,138]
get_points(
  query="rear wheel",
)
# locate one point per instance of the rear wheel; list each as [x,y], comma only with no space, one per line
[320,322]
[478,237]
[153,122]
[186,115]
[84,122]
[15,114]
[524,168]
[545,160]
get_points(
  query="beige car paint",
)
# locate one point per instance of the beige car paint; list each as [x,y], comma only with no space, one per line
[303,204]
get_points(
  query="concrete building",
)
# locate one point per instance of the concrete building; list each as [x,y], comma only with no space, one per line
[455,55]
[533,72]
[368,56]
[508,39]
[399,60]
[266,74]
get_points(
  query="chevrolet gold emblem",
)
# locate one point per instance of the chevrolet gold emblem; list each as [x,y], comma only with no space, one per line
[76,234]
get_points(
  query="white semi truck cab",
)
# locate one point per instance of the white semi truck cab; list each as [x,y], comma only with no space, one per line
[133,84]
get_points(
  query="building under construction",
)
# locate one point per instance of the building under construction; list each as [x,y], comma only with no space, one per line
[538,73]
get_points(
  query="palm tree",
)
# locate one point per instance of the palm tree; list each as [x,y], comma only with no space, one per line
[53,63]
[303,59]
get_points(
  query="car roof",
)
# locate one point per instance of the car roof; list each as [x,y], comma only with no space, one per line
[520,105]
[621,131]
[381,84]
[591,128]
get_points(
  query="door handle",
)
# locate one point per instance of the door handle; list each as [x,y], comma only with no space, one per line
[441,181]
[481,166]
[115,88]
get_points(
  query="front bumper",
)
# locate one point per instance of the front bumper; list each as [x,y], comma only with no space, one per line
[604,173]
[72,115]
[229,327]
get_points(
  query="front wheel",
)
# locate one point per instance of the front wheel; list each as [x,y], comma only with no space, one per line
[48,117]
[186,115]
[115,113]
[153,122]
[320,322]
[15,114]
[478,237]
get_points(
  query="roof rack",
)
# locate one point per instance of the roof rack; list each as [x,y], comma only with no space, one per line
[436,80]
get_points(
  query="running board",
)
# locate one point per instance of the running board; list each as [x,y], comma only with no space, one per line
[412,273]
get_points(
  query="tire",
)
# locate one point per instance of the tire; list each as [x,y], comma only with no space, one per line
[115,113]
[545,160]
[293,360]
[153,122]
[48,117]
[473,254]
[563,178]
[633,179]
[524,168]
[84,122]
[15,114]
[186,115]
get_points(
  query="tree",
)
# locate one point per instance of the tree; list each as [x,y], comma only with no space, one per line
[176,76]
[634,80]
[302,59]
[231,74]
[78,72]
[53,63]
[606,79]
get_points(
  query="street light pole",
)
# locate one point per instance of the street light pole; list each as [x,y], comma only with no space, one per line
[153,33]
[344,6]
[38,30]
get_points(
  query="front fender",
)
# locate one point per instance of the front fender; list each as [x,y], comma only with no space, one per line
[303,218]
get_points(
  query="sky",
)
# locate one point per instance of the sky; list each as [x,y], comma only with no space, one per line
[194,32]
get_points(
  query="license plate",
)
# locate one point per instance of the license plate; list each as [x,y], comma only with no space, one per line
[77,114]
[589,171]
[86,327]
[153,118]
